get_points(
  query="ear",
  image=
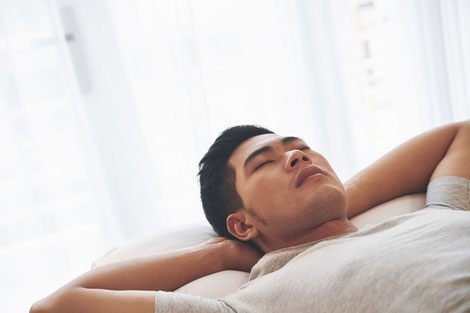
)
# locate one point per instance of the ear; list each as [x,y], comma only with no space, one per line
[239,225]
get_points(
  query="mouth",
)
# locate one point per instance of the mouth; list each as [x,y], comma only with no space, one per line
[308,172]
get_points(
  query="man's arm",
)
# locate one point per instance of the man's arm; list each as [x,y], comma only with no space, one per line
[130,286]
[443,151]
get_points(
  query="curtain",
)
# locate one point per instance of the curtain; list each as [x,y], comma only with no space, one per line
[106,107]
[53,203]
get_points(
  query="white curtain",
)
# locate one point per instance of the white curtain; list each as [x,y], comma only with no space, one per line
[55,210]
[106,107]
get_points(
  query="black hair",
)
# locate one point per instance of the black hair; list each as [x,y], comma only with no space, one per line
[219,194]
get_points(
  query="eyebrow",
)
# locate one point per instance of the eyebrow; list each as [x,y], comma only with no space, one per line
[288,139]
[264,149]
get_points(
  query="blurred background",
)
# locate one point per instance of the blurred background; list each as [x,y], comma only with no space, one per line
[106,107]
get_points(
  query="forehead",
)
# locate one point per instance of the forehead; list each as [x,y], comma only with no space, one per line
[241,153]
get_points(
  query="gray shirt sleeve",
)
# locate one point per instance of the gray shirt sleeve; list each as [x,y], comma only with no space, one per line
[449,192]
[175,302]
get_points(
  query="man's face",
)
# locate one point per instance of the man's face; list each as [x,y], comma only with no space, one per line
[269,169]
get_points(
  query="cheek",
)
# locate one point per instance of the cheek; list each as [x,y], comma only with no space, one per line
[267,189]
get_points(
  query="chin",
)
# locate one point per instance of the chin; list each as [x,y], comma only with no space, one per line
[326,204]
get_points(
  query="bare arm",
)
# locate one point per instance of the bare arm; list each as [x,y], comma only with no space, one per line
[443,151]
[130,286]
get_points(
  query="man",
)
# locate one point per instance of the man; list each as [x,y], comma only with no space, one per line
[281,201]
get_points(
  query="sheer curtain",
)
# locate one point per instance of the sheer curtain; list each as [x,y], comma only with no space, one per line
[106,107]
[55,210]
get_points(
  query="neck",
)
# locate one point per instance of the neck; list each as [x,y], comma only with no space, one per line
[331,228]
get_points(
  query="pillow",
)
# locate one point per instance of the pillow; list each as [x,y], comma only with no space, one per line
[172,238]
[220,284]
[398,206]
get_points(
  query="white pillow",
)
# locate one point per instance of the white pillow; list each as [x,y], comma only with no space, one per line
[398,206]
[216,285]
[220,284]
[169,239]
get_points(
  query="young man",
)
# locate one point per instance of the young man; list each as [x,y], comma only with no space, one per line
[286,211]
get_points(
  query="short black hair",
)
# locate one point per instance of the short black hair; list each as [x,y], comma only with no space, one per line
[219,194]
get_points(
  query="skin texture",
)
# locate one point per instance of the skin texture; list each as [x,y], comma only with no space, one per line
[277,213]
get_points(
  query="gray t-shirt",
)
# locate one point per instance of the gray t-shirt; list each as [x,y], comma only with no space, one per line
[418,262]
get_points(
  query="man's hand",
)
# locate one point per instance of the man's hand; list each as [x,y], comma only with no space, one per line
[237,255]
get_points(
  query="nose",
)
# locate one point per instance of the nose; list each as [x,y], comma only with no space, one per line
[295,158]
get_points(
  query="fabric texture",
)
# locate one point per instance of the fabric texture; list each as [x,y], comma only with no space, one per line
[418,262]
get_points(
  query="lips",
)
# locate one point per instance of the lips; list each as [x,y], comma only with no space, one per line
[307,172]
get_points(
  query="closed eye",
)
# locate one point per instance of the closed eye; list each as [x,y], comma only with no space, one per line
[270,161]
